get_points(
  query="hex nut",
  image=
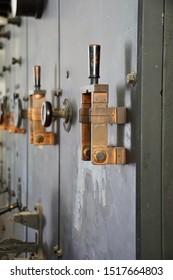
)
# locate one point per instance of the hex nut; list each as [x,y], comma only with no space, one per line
[40,139]
[100,156]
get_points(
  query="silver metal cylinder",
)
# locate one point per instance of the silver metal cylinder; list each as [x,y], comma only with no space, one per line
[94,63]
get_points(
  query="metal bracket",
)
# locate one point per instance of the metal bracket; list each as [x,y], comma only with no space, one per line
[31,219]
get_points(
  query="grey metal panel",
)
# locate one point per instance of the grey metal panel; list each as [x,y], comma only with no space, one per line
[167,151]
[97,202]
[15,146]
[149,212]
[43,162]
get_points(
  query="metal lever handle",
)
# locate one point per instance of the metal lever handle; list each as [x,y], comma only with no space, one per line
[9,208]
[15,21]
[94,63]
[37,77]
[5,34]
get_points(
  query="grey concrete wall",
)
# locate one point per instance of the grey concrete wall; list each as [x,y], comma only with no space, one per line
[97,203]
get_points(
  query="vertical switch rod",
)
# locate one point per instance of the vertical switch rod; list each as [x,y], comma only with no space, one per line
[94,63]
[37,77]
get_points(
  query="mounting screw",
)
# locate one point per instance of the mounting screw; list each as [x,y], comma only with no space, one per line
[57,251]
[25,98]
[131,79]
[15,21]
[40,139]
[6,68]
[100,156]
[5,34]
[67,74]
[16,60]
[87,153]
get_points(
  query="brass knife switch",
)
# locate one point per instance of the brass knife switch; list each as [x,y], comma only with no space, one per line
[95,116]
[38,134]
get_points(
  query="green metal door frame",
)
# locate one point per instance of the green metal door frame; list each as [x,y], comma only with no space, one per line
[167,135]
[154,204]
[149,130]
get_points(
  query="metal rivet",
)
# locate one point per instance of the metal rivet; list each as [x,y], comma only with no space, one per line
[131,79]
[40,139]
[87,153]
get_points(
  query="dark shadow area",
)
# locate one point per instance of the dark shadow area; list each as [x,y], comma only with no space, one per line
[131,115]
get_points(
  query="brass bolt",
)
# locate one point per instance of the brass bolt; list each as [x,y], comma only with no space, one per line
[40,139]
[131,79]
[57,251]
[87,153]
[100,156]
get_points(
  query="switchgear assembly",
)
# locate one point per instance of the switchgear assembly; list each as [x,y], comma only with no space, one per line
[38,134]
[95,115]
